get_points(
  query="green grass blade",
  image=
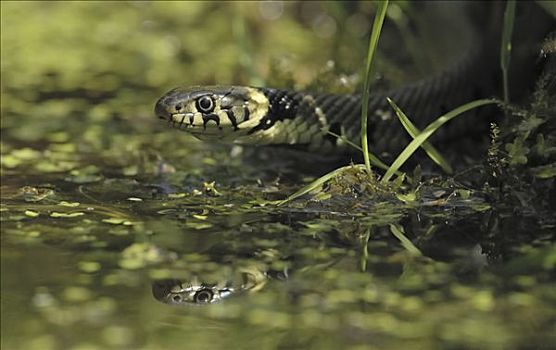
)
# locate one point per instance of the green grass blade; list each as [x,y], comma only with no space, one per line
[344,139]
[549,6]
[374,159]
[373,41]
[397,231]
[427,132]
[364,261]
[506,48]
[317,183]
[414,131]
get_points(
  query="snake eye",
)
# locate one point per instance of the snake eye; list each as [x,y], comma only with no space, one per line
[203,296]
[205,104]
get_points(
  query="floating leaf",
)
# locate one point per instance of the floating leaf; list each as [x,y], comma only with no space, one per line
[31,213]
[69,204]
[66,215]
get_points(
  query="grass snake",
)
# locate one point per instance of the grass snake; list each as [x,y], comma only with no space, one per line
[271,116]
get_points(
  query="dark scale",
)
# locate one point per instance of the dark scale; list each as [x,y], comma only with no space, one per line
[337,108]
[246,114]
[336,128]
[283,105]
[210,117]
[232,118]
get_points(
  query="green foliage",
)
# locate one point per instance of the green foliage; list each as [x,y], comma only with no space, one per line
[413,132]
[427,132]
[317,184]
[531,140]
[517,151]
[496,161]
[399,233]
[522,156]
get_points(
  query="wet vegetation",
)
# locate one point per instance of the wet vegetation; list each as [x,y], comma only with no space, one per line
[105,211]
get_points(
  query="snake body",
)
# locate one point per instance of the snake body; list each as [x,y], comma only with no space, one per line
[313,122]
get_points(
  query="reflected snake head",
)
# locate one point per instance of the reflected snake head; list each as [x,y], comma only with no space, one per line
[196,291]
[175,292]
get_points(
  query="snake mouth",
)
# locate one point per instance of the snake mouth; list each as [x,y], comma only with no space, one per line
[181,120]
[186,122]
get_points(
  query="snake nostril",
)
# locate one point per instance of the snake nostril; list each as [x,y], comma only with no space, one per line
[160,110]
[178,107]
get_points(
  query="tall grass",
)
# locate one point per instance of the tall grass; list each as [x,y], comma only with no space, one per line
[398,232]
[506,47]
[428,131]
[413,132]
[419,137]
[373,42]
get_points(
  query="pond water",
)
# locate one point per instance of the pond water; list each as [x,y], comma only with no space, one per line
[81,269]
[120,233]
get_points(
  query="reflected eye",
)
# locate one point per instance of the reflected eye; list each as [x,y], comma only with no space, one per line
[205,104]
[177,298]
[203,296]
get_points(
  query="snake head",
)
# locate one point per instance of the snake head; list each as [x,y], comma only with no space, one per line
[213,112]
